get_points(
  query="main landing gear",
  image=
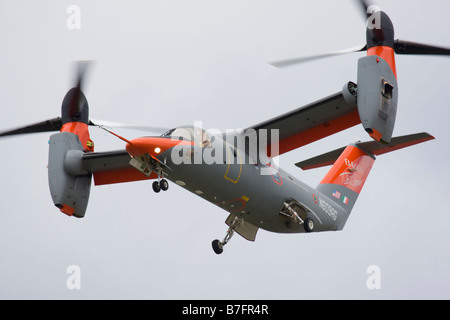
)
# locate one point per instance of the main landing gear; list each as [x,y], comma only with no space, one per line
[160,185]
[218,245]
[291,213]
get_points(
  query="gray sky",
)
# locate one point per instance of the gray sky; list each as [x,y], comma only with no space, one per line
[170,63]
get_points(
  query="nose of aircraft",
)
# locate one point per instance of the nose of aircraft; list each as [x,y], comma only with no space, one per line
[151,145]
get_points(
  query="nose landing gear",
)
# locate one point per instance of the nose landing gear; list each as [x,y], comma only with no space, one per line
[160,185]
[148,164]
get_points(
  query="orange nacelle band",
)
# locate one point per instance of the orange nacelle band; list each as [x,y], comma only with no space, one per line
[64,208]
[82,131]
[387,53]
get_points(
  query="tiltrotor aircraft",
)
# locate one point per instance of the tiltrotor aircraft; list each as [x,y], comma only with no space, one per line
[233,170]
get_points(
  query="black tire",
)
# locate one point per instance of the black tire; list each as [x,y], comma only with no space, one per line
[164,185]
[218,249]
[156,187]
[309,225]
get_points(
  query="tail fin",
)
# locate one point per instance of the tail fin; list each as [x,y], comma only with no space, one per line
[351,166]
[347,176]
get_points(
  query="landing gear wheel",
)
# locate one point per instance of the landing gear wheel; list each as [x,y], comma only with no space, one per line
[309,225]
[217,246]
[164,185]
[156,187]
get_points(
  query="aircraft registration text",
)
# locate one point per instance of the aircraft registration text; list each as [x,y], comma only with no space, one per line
[328,209]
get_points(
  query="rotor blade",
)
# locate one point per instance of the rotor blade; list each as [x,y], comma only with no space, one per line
[82,66]
[77,100]
[103,123]
[364,4]
[407,47]
[55,124]
[44,126]
[290,62]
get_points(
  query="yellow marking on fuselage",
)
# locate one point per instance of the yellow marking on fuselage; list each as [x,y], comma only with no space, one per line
[229,154]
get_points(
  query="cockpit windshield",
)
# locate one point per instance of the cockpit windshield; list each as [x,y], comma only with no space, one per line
[196,135]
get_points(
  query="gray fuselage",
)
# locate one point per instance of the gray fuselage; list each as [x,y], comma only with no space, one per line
[253,191]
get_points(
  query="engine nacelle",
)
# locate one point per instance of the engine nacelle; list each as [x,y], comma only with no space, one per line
[69,184]
[377,97]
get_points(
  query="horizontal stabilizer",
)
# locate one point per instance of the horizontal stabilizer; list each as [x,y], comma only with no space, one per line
[373,147]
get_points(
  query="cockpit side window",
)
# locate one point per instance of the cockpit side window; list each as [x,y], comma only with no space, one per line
[182,134]
[168,133]
[197,135]
[203,138]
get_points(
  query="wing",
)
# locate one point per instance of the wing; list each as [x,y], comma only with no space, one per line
[112,167]
[313,121]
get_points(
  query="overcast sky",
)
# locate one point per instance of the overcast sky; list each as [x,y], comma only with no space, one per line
[170,63]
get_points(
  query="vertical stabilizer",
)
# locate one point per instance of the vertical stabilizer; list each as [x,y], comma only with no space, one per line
[347,176]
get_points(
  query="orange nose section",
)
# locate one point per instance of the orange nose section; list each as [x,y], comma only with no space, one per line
[152,145]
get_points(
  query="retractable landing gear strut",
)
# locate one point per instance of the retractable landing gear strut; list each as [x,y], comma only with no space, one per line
[146,164]
[218,245]
[289,212]
[159,185]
